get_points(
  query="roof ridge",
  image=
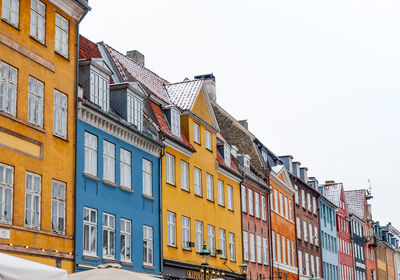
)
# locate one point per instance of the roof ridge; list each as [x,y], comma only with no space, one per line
[188,81]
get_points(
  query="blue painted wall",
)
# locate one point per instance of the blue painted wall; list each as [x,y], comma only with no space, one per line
[113,200]
[329,240]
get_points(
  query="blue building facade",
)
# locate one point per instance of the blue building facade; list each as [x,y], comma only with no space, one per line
[117,208]
[329,241]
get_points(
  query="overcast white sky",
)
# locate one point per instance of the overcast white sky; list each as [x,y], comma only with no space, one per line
[319,80]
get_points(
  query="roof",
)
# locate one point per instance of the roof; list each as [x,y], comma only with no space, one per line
[355,200]
[252,176]
[233,168]
[184,94]
[153,82]
[332,192]
[88,49]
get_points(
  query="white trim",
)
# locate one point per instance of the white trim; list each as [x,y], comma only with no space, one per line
[229,175]
[71,8]
[286,267]
[171,144]
[287,186]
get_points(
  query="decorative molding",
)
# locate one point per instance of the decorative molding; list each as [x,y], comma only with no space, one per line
[285,267]
[34,252]
[177,147]
[27,53]
[229,175]
[101,121]
[71,8]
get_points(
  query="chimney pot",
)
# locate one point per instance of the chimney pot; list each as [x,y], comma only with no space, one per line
[209,83]
[136,56]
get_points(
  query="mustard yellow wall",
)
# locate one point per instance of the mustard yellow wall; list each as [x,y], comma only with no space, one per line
[58,160]
[181,202]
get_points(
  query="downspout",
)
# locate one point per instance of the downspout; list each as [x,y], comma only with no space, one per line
[271,257]
[160,207]
[241,217]
[87,9]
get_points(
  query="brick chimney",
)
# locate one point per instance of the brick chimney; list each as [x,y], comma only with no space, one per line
[244,123]
[136,56]
[209,83]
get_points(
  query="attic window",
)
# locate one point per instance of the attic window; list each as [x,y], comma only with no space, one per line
[246,163]
[227,155]
[135,111]
[175,123]
[265,156]
[99,89]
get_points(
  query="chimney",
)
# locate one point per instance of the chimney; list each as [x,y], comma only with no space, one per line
[287,161]
[296,168]
[209,83]
[136,56]
[329,181]
[303,174]
[244,123]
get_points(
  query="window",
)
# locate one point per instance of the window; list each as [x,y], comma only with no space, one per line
[32,200]
[263,208]
[271,200]
[286,208]
[245,246]
[259,248]
[291,210]
[10,11]
[221,193]
[108,161]
[246,163]
[251,204]
[35,101]
[184,175]
[90,154]
[197,182]
[307,264]
[185,232]
[230,197]
[289,255]
[89,231]
[232,246]
[125,233]
[300,260]
[108,235]
[303,199]
[222,243]
[316,236]
[309,202]
[257,204]
[125,168]
[60,114]
[196,133]
[278,247]
[58,207]
[310,230]
[147,245]
[38,20]
[170,169]
[171,228]
[211,239]
[314,205]
[312,265]
[273,246]
[265,250]
[252,248]
[147,177]
[6,193]
[283,249]
[293,253]
[210,187]
[298,227]
[281,204]
[244,199]
[208,140]
[62,30]
[99,89]
[175,123]
[296,196]
[276,201]
[135,111]
[199,236]
[305,231]
[8,85]
[227,155]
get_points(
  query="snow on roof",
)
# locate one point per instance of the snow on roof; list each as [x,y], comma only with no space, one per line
[184,94]
[332,192]
[355,201]
[277,168]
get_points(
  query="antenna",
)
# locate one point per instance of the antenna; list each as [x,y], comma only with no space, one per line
[369,190]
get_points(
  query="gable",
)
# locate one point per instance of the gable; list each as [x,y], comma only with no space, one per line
[281,177]
[201,109]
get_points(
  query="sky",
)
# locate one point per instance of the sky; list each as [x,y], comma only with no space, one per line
[319,80]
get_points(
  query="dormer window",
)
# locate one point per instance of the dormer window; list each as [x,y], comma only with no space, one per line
[246,163]
[135,110]
[227,155]
[99,89]
[175,123]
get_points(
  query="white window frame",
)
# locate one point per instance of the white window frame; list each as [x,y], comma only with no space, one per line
[35,101]
[176,123]
[90,153]
[211,239]
[170,169]
[108,161]
[58,198]
[273,246]
[263,208]
[92,231]
[10,12]
[265,250]
[210,186]
[300,262]
[276,206]
[309,202]
[289,254]
[100,89]
[184,175]
[171,229]
[314,205]
[286,208]
[32,194]
[244,198]
[257,204]
[222,243]
[305,231]
[278,247]
[108,235]
[125,165]
[148,253]
[298,225]
[291,210]
[316,236]
[281,204]
[126,235]
[293,254]
[60,114]
[199,236]
[232,250]
[6,193]
[229,192]
[245,246]
[259,249]
[196,133]
[284,249]
[197,182]
[227,155]
[147,177]
[251,203]
[38,21]
[61,35]
[221,193]
[185,232]
[209,140]
[252,248]
[135,110]
[310,230]
[307,263]
[8,86]
[303,199]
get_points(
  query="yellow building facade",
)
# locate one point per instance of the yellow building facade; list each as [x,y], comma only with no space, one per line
[37,129]
[200,192]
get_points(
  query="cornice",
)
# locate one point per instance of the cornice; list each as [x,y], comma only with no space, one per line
[228,174]
[73,8]
[173,145]
[120,131]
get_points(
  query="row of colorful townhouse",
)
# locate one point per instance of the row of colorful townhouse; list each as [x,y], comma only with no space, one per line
[103,161]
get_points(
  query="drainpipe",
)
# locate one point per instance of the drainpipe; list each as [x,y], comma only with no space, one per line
[241,220]
[87,9]
[271,257]
[160,207]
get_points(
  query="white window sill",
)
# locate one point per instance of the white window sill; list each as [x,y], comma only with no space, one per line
[90,257]
[109,183]
[149,266]
[126,189]
[148,196]
[127,263]
[90,176]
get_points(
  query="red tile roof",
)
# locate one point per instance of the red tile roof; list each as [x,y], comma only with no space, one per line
[88,49]
[232,168]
